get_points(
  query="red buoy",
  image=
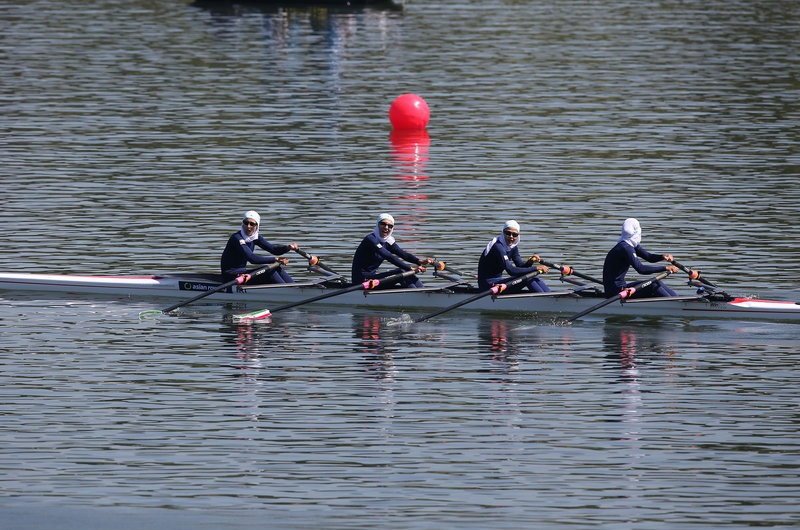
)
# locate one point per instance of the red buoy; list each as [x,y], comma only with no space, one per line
[409,111]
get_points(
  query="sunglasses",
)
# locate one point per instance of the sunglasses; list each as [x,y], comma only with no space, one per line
[387,225]
[511,234]
[249,223]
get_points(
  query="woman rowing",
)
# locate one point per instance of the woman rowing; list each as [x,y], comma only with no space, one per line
[626,254]
[379,246]
[502,255]
[239,251]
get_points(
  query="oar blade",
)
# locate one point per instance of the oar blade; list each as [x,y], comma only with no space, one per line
[252,316]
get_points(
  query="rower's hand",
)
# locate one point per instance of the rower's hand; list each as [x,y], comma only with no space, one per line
[293,246]
[426,261]
[542,269]
[421,269]
[282,261]
[669,257]
[533,259]
[672,269]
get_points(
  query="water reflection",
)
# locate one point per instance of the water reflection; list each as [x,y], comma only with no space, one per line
[627,346]
[410,154]
[377,361]
[410,157]
[238,7]
[288,26]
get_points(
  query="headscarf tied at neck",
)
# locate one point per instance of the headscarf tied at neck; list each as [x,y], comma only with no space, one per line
[631,233]
[251,214]
[502,238]
[390,238]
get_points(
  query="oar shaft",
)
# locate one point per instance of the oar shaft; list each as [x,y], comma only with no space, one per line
[625,293]
[236,281]
[442,266]
[495,289]
[566,270]
[693,274]
[316,260]
[458,304]
[367,285]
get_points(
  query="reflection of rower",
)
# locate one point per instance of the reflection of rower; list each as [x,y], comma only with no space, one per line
[237,7]
[377,361]
[503,350]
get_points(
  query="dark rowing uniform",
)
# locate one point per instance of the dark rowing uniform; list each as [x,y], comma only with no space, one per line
[498,259]
[239,252]
[372,252]
[624,256]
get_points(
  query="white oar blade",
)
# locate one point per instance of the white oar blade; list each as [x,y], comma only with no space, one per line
[252,316]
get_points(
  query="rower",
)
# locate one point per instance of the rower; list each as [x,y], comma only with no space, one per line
[379,246]
[624,255]
[502,255]
[239,251]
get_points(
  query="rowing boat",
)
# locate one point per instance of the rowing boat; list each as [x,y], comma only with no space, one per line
[184,286]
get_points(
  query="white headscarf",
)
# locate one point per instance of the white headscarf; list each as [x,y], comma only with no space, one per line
[251,214]
[502,238]
[390,238]
[631,232]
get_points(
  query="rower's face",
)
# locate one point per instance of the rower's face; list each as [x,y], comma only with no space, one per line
[385,228]
[511,236]
[249,226]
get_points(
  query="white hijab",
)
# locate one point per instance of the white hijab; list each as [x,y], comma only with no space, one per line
[250,214]
[390,238]
[631,232]
[502,238]
[247,238]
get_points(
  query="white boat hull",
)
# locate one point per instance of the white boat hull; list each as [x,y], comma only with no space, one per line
[563,303]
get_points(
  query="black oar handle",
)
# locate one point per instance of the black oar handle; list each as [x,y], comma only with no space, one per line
[566,270]
[693,274]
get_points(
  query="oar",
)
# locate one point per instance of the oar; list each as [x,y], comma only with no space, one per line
[566,270]
[242,278]
[314,260]
[495,289]
[442,266]
[694,275]
[365,286]
[623,294]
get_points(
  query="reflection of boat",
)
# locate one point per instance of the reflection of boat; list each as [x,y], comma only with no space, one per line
[707,305]
[233,7]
